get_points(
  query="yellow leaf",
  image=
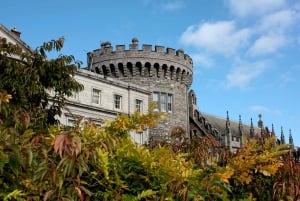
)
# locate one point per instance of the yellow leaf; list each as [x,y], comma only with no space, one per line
[227,175]
[265,172]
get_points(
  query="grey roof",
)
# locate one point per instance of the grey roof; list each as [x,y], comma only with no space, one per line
[219,123]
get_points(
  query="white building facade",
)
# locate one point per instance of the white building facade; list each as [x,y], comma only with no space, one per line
[103,99]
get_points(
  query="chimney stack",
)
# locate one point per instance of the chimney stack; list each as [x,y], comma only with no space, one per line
[16,32]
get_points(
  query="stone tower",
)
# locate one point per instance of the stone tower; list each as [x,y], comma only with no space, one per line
[167,74]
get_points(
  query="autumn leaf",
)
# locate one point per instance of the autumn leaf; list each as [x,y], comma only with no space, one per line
[227,175]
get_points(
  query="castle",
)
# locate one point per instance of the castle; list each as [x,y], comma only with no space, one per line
[163,75]
[123,80]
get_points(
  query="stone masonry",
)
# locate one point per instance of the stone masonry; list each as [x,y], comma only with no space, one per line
[166,74]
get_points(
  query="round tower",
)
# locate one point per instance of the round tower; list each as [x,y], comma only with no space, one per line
[166,73]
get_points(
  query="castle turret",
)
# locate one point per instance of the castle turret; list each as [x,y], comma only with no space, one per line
[166,73]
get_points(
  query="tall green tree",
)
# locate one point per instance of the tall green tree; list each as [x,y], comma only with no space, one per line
[30,76]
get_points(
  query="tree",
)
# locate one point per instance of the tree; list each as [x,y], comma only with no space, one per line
[29,77]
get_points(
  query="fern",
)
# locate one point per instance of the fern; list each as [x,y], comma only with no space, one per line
[15,195]
[144,194]
[103,162]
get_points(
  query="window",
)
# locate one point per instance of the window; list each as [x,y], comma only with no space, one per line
[71,122]
[164,101]
[139,105]
[137,137]
[170,102]
[96,96]
[118,101]
[155,99]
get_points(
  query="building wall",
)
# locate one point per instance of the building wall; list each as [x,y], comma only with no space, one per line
[81,104]
[13,36]
[162,72]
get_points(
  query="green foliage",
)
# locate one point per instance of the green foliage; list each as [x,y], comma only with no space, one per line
[29,76]
[88,162]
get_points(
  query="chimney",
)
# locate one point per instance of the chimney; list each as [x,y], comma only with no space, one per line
[16,32]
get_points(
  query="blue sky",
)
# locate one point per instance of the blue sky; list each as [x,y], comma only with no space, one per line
[245,52]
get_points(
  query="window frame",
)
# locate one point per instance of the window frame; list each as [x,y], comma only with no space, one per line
[98,98]
[117,102]
[139,105]
[164,101]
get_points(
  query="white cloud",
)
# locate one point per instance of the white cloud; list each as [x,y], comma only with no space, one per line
[259,109]
[264,110]
[278,21]
[176,5]
[169,5]
[244,8]
[222,37]
[242,75]
[267,44]
[202,60]
[287,77]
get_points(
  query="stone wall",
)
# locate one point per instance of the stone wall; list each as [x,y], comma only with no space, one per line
[168,72]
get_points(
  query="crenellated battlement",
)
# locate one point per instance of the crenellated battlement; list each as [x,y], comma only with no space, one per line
[170,53]
[161,62]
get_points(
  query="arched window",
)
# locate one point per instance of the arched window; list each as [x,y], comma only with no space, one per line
[97,70]
[178,74]
[182,79]
[112,70]
[121,69]
[138,66]
[156,68]
[165,70]
[130,69]
[148,69]
[172,69]
[104,71]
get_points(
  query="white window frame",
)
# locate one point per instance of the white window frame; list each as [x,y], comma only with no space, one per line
[164,101]
[96,99]
[139,105]
[137,137]
[117,102]
[155,98]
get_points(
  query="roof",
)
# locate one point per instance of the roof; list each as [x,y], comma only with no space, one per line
[220,124]
[13,38]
